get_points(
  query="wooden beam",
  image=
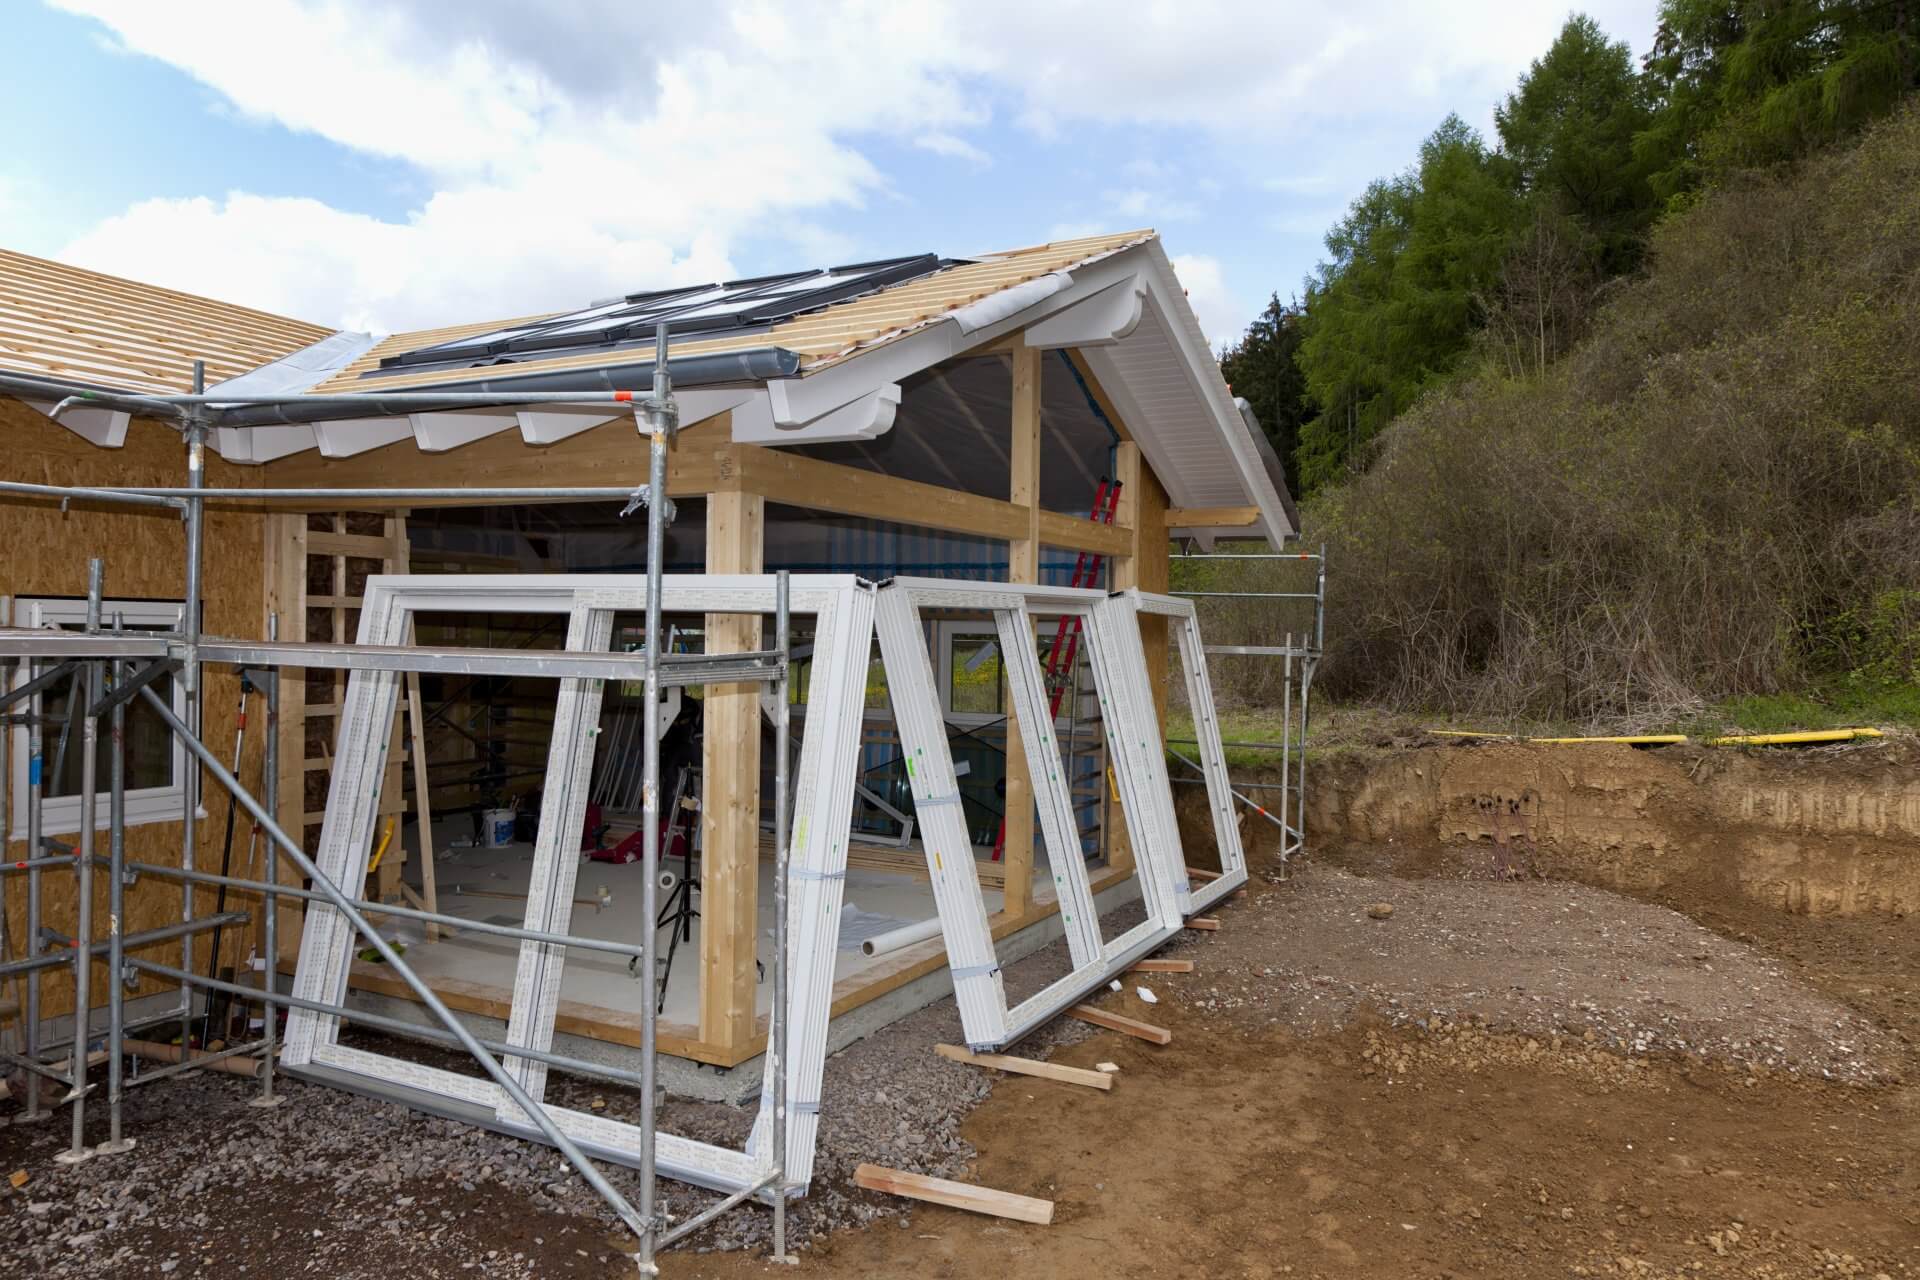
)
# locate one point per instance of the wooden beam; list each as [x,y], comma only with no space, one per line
[797,481]
[1026,1067]
[1121,1023]
[1077,533]
[1161,966]
[1202,874]
[730,789]
[1205,924]
[1023,565]
[1124,572]
[1208,517]
[954,1195]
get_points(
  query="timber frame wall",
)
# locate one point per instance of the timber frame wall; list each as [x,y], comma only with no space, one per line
[737,481]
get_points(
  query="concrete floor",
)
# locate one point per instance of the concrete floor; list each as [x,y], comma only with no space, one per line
[607,900]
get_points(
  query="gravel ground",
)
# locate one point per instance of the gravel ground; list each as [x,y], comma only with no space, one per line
[1542,958]
[335,1185]
[217,1187]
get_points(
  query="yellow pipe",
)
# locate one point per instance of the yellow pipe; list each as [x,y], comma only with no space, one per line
[1788,739]
[386,838]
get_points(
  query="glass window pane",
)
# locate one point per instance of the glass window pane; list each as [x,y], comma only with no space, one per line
[974,682]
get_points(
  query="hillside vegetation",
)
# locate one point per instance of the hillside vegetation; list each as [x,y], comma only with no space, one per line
[1612,418]
[1713,493]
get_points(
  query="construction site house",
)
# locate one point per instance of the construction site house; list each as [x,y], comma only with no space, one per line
[1049,415]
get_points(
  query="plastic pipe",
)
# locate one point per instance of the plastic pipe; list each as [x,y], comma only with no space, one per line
[905,936]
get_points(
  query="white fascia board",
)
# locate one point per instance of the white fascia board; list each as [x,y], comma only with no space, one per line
[867,417]
[549,424]
[104,427]
[1183,328]
[803,399]
[250,446]
[347,436]
[439,432]
[552,425]
[1100,321]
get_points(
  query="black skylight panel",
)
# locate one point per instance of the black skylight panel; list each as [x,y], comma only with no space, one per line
[710,310]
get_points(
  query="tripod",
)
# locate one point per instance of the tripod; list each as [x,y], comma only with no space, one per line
[678,915]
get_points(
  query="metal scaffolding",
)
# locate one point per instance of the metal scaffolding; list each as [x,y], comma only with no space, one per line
[1299,655]
[105,667]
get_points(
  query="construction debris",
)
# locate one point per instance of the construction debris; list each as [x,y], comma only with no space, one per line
[955,1195]
[1121,1023]
[1025,1066]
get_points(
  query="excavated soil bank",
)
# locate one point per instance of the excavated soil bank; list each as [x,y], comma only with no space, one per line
[1827,831]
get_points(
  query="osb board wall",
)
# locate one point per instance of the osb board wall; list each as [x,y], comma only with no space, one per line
[44,551]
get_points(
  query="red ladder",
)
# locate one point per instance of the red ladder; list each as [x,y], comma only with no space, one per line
[1066,637]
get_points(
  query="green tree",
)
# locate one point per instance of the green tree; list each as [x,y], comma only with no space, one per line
[1568,132]
[1754,82]
[1262,368]
[1395,305]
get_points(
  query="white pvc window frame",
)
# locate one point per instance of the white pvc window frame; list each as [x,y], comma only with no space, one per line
[1185,625]
[1120,676]
[60,815]
[822,802]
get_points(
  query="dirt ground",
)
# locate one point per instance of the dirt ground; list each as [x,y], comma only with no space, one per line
[1307,1124]
[1514,1079]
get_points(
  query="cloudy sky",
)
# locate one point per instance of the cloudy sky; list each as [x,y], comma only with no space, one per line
[390,164]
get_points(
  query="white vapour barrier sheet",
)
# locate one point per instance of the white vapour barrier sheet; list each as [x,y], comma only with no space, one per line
[842,607]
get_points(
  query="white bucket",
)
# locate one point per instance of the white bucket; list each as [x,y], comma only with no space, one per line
[497,827]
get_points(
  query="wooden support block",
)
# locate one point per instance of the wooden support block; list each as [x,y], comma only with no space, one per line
[240,1066]
[1198,873]
[1206,924]
[1121,1023]
[1026,1067]
[1162,966]
[955,1195]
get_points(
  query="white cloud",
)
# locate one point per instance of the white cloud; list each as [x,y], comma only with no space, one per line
[954,147]
[1222,316]
[580,146]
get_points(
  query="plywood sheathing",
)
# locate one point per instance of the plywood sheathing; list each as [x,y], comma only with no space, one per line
[47,552]
[820,338]
[64,322]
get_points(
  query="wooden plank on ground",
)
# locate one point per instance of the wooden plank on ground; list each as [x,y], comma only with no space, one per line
[1121,1023]
[1026,1067]
[955,1195]
[1206,924]
[1200,873]
[1162,966]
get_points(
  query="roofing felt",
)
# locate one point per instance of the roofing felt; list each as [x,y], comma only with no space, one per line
[819,337]
[82,326]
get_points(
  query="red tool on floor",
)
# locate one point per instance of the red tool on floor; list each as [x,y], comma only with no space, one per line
[1066,637]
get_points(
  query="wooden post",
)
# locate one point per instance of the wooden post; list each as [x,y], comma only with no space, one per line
[1023,565]
[1125,573]
[730,790]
